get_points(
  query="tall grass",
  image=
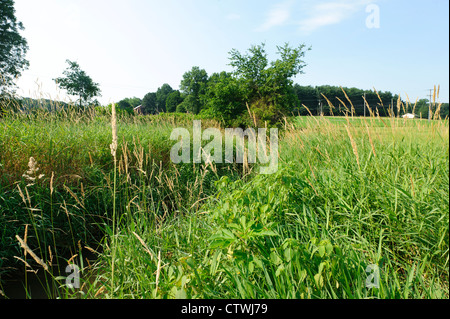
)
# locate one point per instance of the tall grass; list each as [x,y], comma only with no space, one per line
[350,192]
[345,197]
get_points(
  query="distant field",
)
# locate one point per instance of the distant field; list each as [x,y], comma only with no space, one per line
[350,193]
[302,121]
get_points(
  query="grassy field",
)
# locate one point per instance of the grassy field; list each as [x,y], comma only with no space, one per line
[349,193]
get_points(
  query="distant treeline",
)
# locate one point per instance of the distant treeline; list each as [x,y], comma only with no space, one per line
[324,99]
[311,101]
[335,100]
[51,105]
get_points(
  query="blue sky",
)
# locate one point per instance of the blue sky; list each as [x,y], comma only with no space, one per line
[133,47]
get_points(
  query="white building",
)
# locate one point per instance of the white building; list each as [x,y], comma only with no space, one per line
[409,116]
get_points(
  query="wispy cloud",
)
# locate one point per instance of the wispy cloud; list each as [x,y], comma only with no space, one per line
[329,13]
[277,16]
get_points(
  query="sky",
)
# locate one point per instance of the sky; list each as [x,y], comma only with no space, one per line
[133,47]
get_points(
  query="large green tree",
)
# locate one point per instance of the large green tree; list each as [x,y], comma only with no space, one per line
[149,103]
[193,86]
[173,100]
[161,96]
[13,47]
[78,83]
[225,98]
[268,86]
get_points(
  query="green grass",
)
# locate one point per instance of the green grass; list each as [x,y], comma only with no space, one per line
[348,193]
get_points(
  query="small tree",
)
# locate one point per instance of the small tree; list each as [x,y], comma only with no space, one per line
[78,83]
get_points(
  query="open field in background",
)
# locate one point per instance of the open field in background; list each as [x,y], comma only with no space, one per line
[349,192]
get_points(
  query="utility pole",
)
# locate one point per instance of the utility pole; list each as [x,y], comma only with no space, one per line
[429,108]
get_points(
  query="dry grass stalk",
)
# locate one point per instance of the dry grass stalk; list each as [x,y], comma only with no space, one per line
[73,195]
[329,104]
[355,149]
[379,98]
[245,166]
[100,291]
[147,250]
[158,269]
[312,171]
[51,183]
[437,93]
[250,113]
[310,113]
[28,196]
[51,255]
[83,195]
[345,106]
[312,186]
[72,259]
[66,210]
[90,159]
[27,265]
[21,194]
[32,254]
[408,102]
[368,107]
[399,104]
[434,95]
[346,96]
[436,114]
[113,145]
[25,237]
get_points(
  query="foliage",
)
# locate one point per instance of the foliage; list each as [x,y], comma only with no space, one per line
[173,100]
[13,47]
[422,108]
[129,104]
[149,104]
[335,100]
[225,98]
[193,86]
[77,82]
[268,87]
[161,96]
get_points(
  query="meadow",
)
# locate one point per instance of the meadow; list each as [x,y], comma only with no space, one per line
[349,193]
